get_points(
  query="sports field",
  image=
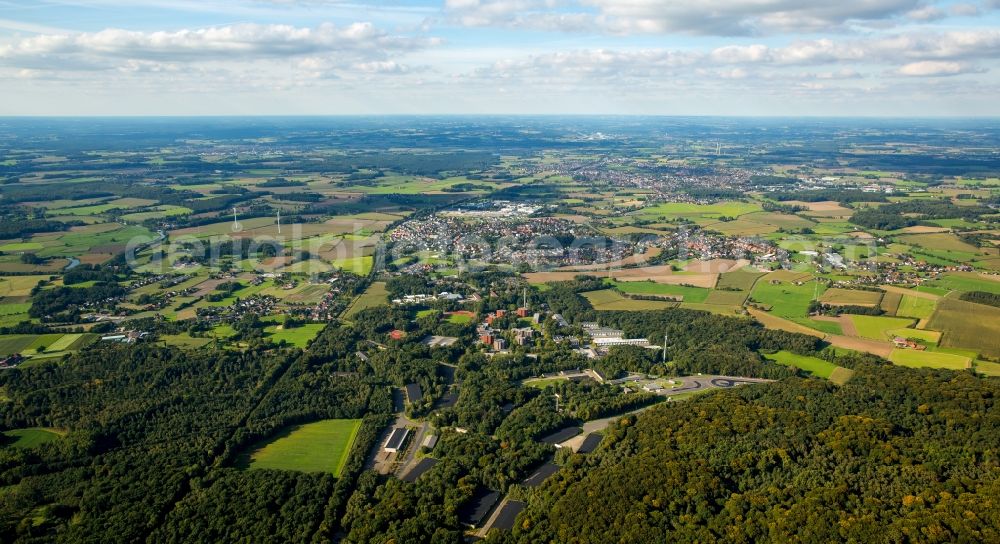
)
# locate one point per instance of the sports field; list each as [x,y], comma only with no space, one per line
[33,436]
[322,446]
[608,300]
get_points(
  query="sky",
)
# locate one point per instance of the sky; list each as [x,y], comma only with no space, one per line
[633,57]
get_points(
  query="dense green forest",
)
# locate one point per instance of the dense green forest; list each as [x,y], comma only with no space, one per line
[896,455]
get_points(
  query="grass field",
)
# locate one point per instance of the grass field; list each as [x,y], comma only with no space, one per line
[360,265]
[815,366]
[297,336]
[851,297]
[460,318]
[373,296]
[928,337]
[542,383]
[690,294]
[943,241]
[322,446]
[966,281]
[920,308]
[19,286]
[785,298]
[988,368]
[742,279]
[928,359]
[608,300]
[890,302]
[876,327]
[967,325]
[727,298]
[33,436]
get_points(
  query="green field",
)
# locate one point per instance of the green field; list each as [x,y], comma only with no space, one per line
[609,300]
[297,336]
[967,325]
[920,308]
[988,368]
[877,327]
[690,294]
[33,436]
[361,265]
[375,295]
[741,279]
[815,366]
[791,301]
[322,446]
[851,297]
[459,319]
[925,336]
[965,281]
[928,359]
[542,383]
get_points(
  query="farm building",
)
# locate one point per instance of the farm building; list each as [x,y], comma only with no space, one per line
[396,440]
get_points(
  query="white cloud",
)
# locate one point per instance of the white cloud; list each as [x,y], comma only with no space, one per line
[934,68]
[706,17]
[116,48]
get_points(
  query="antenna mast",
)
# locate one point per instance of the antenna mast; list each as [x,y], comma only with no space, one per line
[664,348]
[279,220]
[236,223]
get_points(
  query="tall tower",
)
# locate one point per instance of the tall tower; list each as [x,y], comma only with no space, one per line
[279,220]
[236,222]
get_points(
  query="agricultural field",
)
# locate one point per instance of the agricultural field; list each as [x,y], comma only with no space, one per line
[918,307]
[929,359]
[609,300]
[375,295]
[742,279]
[688,294]
[322,446]
[967,325]
[967,281]
[877,327]
[851,297]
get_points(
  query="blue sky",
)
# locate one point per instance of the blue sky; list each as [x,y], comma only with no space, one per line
[679,57]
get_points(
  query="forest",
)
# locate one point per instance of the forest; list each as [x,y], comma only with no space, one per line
[896,455]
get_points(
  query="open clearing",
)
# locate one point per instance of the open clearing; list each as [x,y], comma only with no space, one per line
[33,436]
[815,366]
[322,446]
[297,336]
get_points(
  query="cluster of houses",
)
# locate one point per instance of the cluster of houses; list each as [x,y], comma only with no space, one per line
[407,300]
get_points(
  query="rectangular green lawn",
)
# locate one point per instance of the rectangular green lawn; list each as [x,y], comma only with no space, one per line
[297,336]
[31,437]
[322,446]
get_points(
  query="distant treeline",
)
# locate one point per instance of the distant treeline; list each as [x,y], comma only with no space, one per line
[907,214]
[981,297]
